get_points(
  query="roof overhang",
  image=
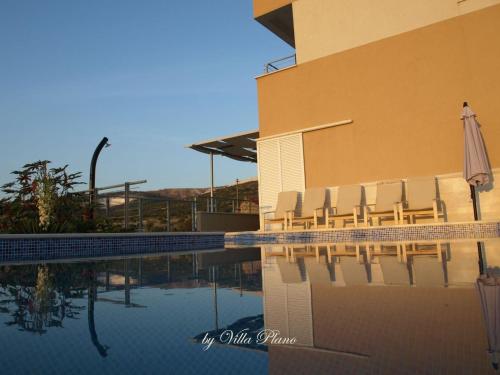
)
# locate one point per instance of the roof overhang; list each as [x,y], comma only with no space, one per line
[280,22]
[241,146]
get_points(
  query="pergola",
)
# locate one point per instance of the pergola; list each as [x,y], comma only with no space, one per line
[240,146]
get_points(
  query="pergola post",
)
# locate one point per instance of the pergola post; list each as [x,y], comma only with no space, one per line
[241,146]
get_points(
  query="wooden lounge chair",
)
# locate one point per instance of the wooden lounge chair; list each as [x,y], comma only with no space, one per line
[389,196]
[286,205]
[421,200]
[348,207]
[312,208]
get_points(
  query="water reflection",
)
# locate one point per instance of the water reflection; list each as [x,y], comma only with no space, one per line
[38,304]
[380,308]
[40,297]
[357,308]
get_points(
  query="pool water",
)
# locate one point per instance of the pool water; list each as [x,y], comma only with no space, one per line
[385,308]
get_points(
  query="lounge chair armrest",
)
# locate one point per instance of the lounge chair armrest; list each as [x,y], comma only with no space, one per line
[267,212]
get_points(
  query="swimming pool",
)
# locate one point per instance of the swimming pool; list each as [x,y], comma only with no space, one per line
[343,308]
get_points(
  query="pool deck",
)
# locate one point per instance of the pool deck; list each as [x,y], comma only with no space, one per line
[414,232]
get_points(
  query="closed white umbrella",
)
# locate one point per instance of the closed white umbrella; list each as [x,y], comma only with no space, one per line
[476,166]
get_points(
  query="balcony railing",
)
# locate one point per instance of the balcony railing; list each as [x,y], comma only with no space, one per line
[279,64]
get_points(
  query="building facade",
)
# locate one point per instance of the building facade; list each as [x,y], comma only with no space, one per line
[376,94]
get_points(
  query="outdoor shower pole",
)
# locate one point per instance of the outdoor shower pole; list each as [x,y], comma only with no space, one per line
[93,163]
[237,196]
[211,182]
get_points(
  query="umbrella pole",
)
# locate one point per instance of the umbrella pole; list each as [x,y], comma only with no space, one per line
[474,202]
[479,249]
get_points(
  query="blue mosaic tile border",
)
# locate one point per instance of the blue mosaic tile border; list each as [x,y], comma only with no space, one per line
[39,247]
[372,234]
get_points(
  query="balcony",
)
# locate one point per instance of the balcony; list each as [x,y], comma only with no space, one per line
[279,64]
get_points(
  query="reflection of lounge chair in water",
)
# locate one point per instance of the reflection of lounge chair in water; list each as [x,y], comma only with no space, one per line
[394,271]
[427,271]
[318,270]
[290,272]
[343,250]
[348,271]
[462,266]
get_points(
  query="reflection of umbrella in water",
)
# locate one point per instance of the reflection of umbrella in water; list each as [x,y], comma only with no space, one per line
[489,291]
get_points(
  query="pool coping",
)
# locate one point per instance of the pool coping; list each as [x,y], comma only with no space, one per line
[100,234]
[408,232]
[37,247]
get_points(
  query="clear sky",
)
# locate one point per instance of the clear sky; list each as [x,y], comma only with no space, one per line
[150,75]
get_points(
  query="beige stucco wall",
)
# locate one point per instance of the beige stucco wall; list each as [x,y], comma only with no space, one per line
[404,95]
[323,27]
[261,7]
[454,192]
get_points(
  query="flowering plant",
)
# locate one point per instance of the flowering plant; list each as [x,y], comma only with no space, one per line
[42,199]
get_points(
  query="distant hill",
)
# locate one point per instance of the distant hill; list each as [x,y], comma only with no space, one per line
[247,190]
[174,193]
[154,210]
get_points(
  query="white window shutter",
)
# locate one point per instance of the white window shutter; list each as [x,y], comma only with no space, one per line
[281,168]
